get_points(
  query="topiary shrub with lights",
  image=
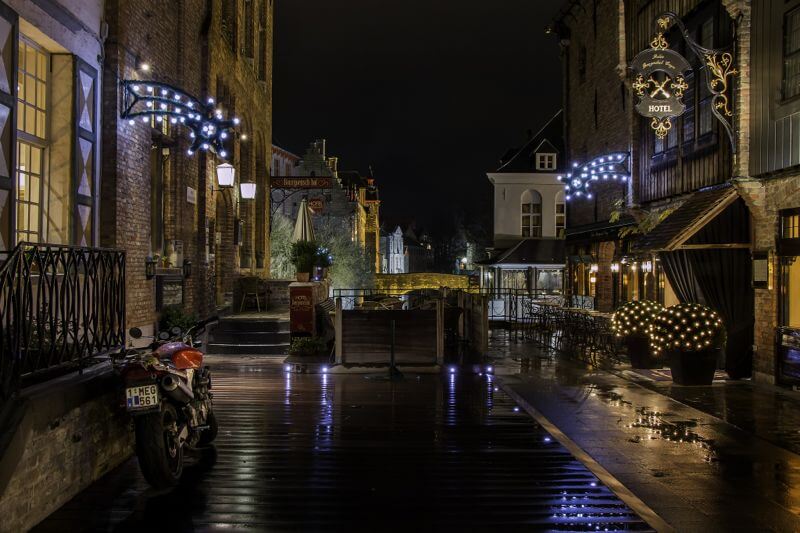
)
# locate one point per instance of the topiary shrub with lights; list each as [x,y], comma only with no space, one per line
[632,322]
[691,336]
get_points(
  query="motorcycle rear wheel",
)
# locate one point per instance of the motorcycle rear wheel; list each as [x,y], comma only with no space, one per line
[157,447]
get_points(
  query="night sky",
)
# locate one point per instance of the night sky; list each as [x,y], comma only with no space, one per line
[429,92]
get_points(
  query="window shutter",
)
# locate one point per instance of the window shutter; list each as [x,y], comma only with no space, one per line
[85,146]
[9,44]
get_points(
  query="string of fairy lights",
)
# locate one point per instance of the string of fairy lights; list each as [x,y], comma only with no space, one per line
[686,327]
[609,167]
[209,128]
[635,318]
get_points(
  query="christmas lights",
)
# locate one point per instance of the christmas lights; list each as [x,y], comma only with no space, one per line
[635,318]
[687,327]
[578,182]
[207,124]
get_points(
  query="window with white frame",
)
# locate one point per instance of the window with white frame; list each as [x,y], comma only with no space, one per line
[531,214]
[545,161]
[561,215]
[32,93]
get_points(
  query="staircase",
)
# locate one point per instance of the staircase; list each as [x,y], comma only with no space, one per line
[250,336]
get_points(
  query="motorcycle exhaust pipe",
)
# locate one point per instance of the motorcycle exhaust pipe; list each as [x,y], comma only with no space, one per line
[176,389]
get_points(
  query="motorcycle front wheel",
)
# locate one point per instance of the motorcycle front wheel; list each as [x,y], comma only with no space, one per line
[158,448]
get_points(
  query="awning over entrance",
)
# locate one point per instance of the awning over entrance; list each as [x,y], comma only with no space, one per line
[530,252]
[710,218]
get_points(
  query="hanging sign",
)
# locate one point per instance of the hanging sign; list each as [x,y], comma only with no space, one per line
[659,79]
[310,182]
[660,84]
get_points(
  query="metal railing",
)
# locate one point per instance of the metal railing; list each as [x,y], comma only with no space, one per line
[509,306]
[59,306]
[385,298]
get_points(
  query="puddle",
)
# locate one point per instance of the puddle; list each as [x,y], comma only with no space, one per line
[676,431]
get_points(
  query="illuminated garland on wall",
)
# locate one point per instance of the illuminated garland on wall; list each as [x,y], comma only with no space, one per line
[209,129]
[687,328]
[635,318]
[609,167]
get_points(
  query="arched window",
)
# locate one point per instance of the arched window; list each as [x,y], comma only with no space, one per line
[531,214]
[561,215]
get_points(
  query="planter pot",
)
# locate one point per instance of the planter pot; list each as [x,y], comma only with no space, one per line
[693,368]
[639,352]
[303,277]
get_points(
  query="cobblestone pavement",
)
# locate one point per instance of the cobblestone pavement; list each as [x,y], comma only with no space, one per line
[359,452]
[723,468]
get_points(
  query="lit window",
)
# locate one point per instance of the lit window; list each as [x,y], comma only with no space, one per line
[31,138]
[561,215]
[545,161]
[790,226]
[531,214]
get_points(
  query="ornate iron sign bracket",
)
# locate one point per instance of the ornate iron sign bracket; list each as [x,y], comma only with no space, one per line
[656,100]
[208,127]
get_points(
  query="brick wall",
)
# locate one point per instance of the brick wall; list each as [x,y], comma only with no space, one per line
[183,44]
[766,198]
[596,102]
[67,436]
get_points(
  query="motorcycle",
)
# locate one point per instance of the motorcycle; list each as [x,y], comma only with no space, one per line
[167,390]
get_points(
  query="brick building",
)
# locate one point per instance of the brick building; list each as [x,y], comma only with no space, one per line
[158,200]
[676,229]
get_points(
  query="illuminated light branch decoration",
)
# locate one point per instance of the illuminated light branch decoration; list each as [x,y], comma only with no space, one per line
[209,129]
[686,327]
[635,318]
[610,167]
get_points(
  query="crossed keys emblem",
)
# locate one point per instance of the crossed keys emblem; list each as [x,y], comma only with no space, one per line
[660,87]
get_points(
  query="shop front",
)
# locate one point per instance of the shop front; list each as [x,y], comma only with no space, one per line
[788,367]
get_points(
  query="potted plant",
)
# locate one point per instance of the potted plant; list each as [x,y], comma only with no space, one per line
[691,336]
[304,259]
[306,346]
[324,260]
[632,323]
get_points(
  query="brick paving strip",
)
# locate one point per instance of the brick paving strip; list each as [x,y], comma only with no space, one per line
[693,469]
[355,452]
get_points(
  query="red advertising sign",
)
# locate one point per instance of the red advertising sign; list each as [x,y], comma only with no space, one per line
[301,309]
[300,182]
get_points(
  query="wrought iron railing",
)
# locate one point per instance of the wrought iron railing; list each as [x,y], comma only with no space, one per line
[59,307]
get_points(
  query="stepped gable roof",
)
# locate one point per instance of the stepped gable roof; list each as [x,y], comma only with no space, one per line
[549,139]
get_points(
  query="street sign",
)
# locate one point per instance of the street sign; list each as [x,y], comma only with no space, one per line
[310,182]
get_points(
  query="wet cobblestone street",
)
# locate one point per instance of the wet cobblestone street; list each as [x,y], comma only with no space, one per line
[359,452]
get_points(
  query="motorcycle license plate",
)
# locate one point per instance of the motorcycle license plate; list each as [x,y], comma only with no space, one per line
[142,397]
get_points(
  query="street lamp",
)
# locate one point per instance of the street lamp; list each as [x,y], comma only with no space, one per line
[247,190]
[226,175]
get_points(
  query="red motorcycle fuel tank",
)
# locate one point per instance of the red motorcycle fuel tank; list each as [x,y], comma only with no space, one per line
[181,355]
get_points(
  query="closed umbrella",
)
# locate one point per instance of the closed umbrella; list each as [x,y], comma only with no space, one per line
[303,228]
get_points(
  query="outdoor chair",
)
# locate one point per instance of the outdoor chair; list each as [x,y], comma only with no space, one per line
[250,288]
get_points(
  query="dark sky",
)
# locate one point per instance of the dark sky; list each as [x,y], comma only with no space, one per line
[429,92]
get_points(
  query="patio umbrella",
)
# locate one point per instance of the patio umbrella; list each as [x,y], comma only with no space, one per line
[303,228]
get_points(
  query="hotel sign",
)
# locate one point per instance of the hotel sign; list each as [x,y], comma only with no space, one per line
[659,82]
[310,182]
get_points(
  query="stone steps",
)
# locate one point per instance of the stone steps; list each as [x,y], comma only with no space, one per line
[250,336]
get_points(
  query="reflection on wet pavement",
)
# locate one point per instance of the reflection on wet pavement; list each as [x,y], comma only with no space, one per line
[694,470]
[355,452]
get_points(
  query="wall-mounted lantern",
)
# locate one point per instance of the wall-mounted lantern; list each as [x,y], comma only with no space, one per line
[226,175]
[247,190]
[615,268]
[647,266]
[150,267]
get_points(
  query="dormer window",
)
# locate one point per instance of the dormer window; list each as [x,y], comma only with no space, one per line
[545,161]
